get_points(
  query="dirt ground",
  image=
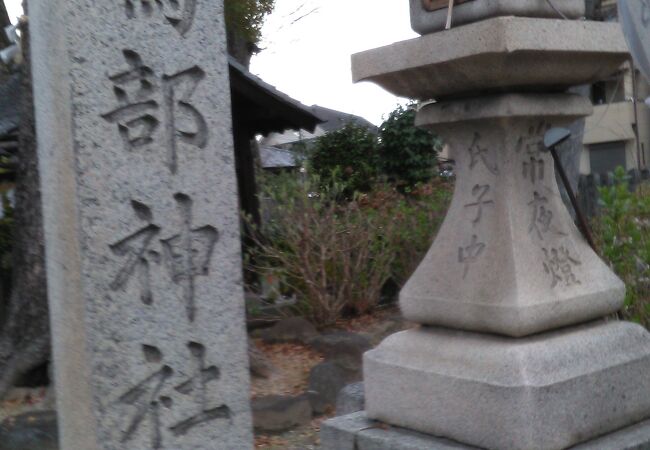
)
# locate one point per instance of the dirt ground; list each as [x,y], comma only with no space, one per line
[293,363]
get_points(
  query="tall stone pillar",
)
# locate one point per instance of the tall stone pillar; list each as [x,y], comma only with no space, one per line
[517,347]
[135,146]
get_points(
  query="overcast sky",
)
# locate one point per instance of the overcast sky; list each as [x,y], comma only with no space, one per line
[309,58]
[307,46]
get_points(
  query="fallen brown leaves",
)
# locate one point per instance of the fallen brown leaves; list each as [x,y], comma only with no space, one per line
[291,366]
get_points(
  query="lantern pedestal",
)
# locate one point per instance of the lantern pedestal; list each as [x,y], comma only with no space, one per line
[513,352]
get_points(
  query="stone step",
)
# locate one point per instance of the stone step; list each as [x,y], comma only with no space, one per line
[548,391]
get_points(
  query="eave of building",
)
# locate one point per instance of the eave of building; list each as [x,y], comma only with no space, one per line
[262,109]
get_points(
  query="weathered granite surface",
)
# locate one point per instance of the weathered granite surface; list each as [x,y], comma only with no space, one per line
[350,399]
[495,55]
[357,432]
[504,359]
[547,391]
[424,22]
[141,224]
[508,258]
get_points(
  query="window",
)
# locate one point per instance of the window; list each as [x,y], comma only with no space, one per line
[608,91]
[607,157]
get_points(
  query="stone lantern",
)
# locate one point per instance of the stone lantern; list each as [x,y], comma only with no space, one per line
[518,346]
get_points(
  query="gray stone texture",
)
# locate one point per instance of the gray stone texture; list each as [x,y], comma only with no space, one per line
[326,381]
[141,224]
[31,431]
[292,329]
[425,22]
[548,275]
[260,365]
[342,346]
[280,413]
[547,391]
[357,432]
[506,357]
[351,399]
[495,55]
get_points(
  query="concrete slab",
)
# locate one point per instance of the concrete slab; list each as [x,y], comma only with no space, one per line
[548,391]
[495,55]
[425,22]
[357,432]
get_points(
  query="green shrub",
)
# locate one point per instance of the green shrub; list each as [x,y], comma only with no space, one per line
[408,155]
[347,157]
[623,231]
[336,257]
[417,215]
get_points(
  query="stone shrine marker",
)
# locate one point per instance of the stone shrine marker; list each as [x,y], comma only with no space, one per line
[141,224]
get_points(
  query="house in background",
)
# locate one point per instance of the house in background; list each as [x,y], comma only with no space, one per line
[332,120]
[259,109]
[278,160]
[610,138]
[618,133]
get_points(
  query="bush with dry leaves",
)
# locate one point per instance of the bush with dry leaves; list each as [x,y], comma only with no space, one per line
[336,256]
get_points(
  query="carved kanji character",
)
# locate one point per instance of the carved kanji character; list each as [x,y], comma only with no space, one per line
[469,255]
[478,153]
[541,216]
[479,191]
[140,92]
[531,147]
[559,264]
[148,395]
[136,114]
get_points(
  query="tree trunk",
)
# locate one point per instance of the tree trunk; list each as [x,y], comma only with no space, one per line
[4,22]
[24,329]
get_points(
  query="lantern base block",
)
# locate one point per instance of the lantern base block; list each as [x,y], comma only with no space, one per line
[547,391]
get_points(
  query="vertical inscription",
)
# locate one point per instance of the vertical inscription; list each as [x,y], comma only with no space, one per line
[156,112]
[469,253]
[557,262]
